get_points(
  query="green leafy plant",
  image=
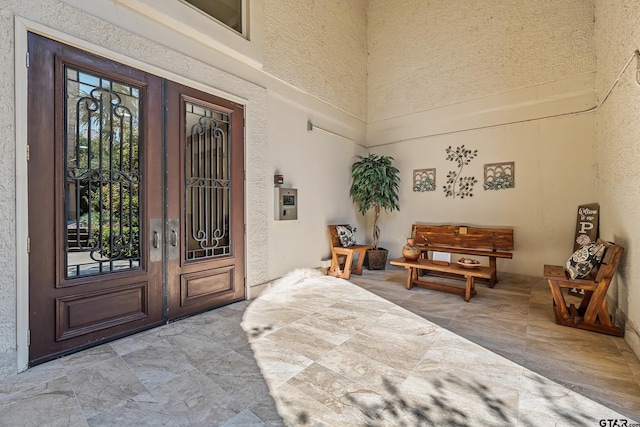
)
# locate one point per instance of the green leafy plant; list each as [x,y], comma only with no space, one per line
[499,182]
[375,183]
[118,242]
[426,184]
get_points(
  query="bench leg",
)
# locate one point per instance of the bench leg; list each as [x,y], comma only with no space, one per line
[603,315]
[560,306]
[411,272]
[346,271]
[494,276]
[335,270]
[358,268]
[470,288]
[597,308]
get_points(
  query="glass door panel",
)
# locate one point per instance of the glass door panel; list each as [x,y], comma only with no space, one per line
[207,182]
[103,177]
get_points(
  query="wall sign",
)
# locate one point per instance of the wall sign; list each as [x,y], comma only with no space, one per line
[587,224]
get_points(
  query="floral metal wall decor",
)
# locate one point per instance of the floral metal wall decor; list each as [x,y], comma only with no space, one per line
[424,180]
[498,176]
[457,185]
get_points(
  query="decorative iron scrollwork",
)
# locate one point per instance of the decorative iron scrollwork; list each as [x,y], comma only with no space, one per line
[103,176]
[207,182]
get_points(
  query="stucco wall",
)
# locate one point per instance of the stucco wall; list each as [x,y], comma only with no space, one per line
[618,152]
[321,48]
[323,187]
[7,200]
[503,77]
[425,54]
[541,208]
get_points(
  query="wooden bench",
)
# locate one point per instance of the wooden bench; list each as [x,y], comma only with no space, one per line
[592,314]
[470,274]
[342,257]
[475,241]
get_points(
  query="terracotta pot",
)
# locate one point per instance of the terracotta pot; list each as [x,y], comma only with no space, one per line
[410,251]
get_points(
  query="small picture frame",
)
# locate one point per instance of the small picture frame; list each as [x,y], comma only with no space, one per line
[499,176]
[424,180]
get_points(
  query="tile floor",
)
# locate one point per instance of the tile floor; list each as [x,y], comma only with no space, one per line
[315,350]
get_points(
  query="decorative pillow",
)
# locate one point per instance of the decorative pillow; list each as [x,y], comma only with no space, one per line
[584,260]
[347,235]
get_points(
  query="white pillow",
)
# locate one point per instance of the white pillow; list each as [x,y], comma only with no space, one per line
[584,260]
[347,235]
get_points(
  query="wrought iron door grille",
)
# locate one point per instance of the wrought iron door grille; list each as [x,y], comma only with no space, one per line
[207,182]
[103,179]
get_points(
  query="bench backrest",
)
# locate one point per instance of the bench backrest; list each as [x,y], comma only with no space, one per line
[464,237]
[334,238]
[609,262]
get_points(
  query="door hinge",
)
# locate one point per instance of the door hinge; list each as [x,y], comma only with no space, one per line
[28,245]
[27,59]
[28,153]
[28,336]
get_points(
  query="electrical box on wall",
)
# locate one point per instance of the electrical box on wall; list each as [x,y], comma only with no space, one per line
[286,203]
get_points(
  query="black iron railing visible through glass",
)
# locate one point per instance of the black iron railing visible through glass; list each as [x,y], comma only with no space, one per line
[207,182]
[103,179]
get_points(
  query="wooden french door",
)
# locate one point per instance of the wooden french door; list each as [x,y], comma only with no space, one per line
[132,180]
[205,194]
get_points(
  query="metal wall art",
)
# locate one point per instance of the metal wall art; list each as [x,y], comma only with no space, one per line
[424,180]
[461,186]
[498,176]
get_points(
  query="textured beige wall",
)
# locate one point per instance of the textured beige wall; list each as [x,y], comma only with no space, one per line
[618,151]
[542,206]
[321,48]
[425,54]
[7,200]
[504,77]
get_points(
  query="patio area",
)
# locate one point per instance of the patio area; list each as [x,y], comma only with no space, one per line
[316,350]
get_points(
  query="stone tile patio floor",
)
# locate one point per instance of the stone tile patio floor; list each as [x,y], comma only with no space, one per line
[316,350]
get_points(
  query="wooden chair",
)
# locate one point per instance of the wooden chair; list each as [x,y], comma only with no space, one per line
[592,314]
[342,257]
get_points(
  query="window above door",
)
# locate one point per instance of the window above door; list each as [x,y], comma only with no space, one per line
[231,13]
[187,18]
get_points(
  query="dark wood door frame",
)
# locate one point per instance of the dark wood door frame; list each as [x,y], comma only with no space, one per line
[68,314]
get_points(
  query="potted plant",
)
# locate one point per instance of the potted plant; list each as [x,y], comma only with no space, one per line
[375,183]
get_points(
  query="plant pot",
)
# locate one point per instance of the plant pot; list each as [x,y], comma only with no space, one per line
[376,259]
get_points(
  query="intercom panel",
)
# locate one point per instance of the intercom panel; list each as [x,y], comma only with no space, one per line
[286,204]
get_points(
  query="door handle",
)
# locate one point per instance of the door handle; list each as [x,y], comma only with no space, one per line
[155,239]
[173,249]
